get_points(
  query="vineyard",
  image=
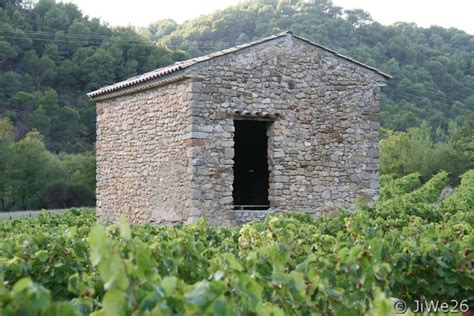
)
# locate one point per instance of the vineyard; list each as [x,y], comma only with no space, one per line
[407,246]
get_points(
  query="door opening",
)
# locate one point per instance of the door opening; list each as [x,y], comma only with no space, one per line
[250,187]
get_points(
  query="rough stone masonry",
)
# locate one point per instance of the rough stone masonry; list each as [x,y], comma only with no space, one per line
[165,139]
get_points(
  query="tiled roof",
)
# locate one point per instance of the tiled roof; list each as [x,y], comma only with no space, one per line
[190,62]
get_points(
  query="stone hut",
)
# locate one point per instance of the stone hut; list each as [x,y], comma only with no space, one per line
[277,124]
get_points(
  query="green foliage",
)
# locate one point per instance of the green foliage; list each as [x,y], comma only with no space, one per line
[49,45]
[463,197]
[31,177]
[289,264]
[81,168]
[6,140]
[51,55]
[48,250]
[62,194]
[419,151]
[32,166]
[401,207]
[432,68]
[390,188]
[461,153]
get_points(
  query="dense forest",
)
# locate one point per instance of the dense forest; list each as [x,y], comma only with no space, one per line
[51,54]
[433,68]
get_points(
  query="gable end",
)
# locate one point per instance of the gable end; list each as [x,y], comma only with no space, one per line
[174,72]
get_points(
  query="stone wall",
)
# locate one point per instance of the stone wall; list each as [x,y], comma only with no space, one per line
[166,154]
[323,145]
[242,217]
[142,167]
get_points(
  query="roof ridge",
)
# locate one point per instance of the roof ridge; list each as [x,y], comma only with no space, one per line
[180,65]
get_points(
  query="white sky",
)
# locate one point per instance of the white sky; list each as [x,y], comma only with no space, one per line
[445,13]
[452,13]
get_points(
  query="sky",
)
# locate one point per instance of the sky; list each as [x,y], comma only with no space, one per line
[452,13]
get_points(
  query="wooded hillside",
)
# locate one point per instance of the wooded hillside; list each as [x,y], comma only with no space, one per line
[51,55]
[433,68]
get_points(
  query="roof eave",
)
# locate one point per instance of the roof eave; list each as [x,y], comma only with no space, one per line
[137,87]
[166,71]
[179,66]
[132,82]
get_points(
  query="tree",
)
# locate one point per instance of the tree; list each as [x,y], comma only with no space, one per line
[6,51]
[22,101]
[42,69]
[48,100]
[55,18]
[358,18]
[6,141]
[81,168]
[88,120]
[79,34]
[9,84]
[461,157]
[161,28]
[31,167]
[408,152]
[426,152]
[96,69]
[40,121]
[50,46]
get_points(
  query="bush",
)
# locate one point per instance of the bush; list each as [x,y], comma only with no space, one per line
[62,194]
[79,195]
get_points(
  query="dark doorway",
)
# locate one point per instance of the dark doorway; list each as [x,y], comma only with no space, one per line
[250,165]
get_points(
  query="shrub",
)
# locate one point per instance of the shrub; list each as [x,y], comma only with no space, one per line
[62,194]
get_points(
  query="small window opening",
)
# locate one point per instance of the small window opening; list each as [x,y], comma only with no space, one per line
[250,187]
